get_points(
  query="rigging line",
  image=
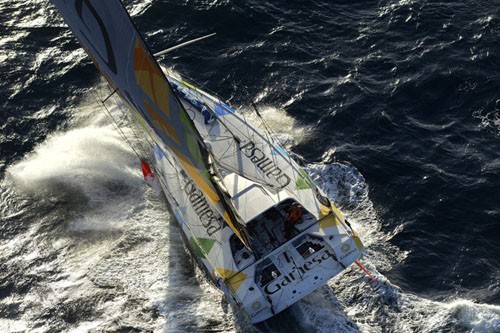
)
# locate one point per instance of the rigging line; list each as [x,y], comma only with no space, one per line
[269,133]
[167,159]
[267,128]
[122,134]
[222,138]
[133,128]
[114,91]
[221,121]
[298,270]
[229,146]
[127,116]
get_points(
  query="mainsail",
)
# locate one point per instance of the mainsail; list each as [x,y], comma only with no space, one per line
[110,38]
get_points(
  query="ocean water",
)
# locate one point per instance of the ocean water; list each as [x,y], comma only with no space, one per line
[393,106]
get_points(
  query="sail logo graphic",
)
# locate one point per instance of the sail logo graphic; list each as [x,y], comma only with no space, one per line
[209,219]
[265,164]
[94,20]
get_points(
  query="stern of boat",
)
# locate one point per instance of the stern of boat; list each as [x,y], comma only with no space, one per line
[295,269]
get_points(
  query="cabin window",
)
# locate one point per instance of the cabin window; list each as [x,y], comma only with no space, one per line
[308,245]
[268,273]
[241,255]
[308,248]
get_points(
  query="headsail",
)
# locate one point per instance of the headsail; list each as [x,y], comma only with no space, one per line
[249,153]
[110,38]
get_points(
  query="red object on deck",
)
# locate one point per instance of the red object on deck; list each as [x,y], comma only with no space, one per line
[149,177]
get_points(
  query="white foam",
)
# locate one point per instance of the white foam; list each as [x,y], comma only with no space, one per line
[89,165]
[144,257]
[284,127]
[118,235]
[351,303]
[476,317]
[13,326]
[490,119]
[139,7]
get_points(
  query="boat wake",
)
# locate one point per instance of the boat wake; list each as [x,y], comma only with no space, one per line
[92,248]
[350,302]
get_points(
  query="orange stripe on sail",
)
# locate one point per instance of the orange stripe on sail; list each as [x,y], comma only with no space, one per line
[150,78]
[161,123]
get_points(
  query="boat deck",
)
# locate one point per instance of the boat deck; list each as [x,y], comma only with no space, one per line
[269,231]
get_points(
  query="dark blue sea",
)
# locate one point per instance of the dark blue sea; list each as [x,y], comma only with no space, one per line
[393,106]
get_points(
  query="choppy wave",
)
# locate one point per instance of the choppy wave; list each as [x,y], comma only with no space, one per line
[97,250]
[104,255]
[352,303]
[392,106]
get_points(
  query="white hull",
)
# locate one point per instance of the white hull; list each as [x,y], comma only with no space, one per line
[280,271]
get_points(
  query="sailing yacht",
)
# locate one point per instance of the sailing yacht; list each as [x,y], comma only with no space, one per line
[259,226]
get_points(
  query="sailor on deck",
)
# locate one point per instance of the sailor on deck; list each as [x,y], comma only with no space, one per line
[293,217]
[207,115]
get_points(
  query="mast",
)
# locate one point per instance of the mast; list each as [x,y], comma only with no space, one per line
[110,38]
